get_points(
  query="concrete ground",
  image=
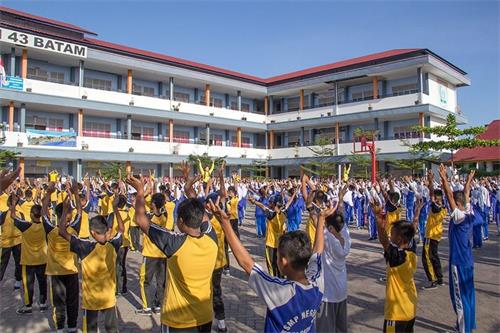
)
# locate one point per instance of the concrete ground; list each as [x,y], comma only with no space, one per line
[246,313]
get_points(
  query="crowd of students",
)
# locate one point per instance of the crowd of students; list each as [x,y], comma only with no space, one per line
[75,237]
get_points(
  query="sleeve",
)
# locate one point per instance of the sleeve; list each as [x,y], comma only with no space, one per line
[206,228]
[394,256]
[82,247]
[314,271]
[273,290]
[117,241]
[458,216]
[87,207]
[167,241]
[21,224]
[76,223]
[269,214]
[47,224]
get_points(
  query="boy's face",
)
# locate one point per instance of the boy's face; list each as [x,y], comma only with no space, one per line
[439,200]
[282,265]
[101,238]
[397,239]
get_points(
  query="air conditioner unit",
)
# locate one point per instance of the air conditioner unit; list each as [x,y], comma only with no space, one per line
[328,114]
[298,118]
[131,150]
[84,96]
[244,118]
[28,90]
[273,121]
[211,114]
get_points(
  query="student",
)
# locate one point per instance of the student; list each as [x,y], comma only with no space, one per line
[33,256]
[98,259]
[134,231]
[192,256]
[260,215]
[461,269]
[433,234]
[61,262]
[232,208]
[292,303]
[332,315]
[86,207]
[10,242]
[401,260]
[154,260]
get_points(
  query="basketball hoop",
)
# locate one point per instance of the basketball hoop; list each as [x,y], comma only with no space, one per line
[366,147]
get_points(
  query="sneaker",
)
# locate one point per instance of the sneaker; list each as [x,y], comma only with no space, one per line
[440,283]
[157,310]
[144,312]
[382,279]
[17,285]
[24,310]
[43,307]
[432,285]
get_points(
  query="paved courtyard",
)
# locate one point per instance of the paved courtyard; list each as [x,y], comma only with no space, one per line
[245,313]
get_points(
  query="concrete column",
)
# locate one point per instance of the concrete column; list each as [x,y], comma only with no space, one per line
[80,122]
[171,130]
[207,95]
[271,106]
[11,116]
[160,131]
[271,139]
[337,135]
[238,137]
[239,100]
[170,170]
[266,139]
[24,63]
[81,73]
[420,84]
[266,105]
[160,89]
[336,98]
[79,169]
[171,88]
[207,134]
[375,87]
[301,100]
[421,122]
[13,62]
[21,167]
[311,100]
[22,118]
[226,101]
[119,131]
[376,127]
[228,139]
[129,127]
[129,81]
[302,136]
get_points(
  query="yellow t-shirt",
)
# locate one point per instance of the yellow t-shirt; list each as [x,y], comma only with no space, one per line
[131,213]
[188,298]
[24,207]
[434,226]
[221,253]
[60,260]
[391,218]
[149,249]
[400,292]
[232,208]
[169,207]
[311,230]
[11,236]
[98,271]
[34,243]
[126,226]
[275,228]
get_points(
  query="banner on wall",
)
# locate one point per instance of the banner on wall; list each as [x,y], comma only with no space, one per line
[443,94]
[12,82]
[51,138]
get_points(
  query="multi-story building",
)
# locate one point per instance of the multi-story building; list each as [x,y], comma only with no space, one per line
[71,102]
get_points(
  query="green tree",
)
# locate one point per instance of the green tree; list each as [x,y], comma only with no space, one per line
[321,164]
[257,169]
[111,170]
[451,138]
[360,165]
[205,161]
[7,156]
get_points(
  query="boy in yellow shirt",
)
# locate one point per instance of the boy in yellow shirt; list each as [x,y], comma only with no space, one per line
[98,259]
[33,255]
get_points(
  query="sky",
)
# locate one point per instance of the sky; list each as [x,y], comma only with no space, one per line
[267,38]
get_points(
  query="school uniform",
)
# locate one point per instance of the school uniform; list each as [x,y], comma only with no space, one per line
[260,217]
[433,235]
[275,228]
[220,263]
[10,242]
[121,259]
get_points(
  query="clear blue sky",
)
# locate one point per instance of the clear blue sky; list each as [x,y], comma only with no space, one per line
[266,38]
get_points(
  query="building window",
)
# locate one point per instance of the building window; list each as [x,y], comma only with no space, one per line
[44,124]
[405,89]
[325,98]
[96,129]
[142,91]
[37,73]
[245,107]
[181,97]
[142,133]
[293,103]
[405,132]
[181,136]
[362,95]
[97,83]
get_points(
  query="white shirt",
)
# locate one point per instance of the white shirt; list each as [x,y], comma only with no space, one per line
[348,198]
[334,266]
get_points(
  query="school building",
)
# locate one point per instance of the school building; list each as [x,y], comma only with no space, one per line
[72,102]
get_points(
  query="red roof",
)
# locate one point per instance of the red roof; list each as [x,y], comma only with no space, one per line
[482,153]
[46,20]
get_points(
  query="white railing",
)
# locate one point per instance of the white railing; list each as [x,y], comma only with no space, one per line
[62,90]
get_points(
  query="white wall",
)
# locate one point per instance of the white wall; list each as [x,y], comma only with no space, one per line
[442,95]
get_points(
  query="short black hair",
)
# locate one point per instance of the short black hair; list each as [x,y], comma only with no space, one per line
[404,229]
[28,193]
[36,211]
[438,193]
[296,247]
[320,196]
[122,201]
[459,197]
[191,212]
[158,199]
[335,220]
[394,196]
[99,224]
[59,210]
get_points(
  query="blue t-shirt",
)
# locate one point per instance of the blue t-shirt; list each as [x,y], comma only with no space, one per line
[460,237]
[259,211]
[291,306]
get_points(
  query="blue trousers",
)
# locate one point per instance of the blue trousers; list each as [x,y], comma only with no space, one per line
[260,221]
[348,213]
[477,237]
[410,213]
[463,297]
[242,205]
[486,218]
[372,225]
[422,219]
[359,214]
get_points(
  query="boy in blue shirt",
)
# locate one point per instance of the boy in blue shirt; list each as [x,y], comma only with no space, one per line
[292,303]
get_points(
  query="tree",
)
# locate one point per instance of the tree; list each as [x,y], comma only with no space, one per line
[205,161]
[360,164]
[7,156]
[111,170]
[451,138]
[321,164]
[257,169]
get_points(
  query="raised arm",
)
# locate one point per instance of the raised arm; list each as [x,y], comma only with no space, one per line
[7,178]
[63,232]
[220,175]
[239,251]
[76,195]
[319,239]
[446,187]
[51,187]
[117,214]
[140,208]
[381,221]
[470,177]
